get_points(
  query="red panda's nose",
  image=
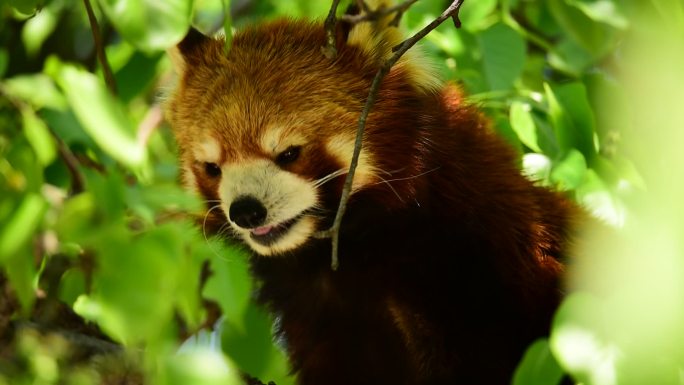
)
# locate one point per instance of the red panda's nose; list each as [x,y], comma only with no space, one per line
[247,212]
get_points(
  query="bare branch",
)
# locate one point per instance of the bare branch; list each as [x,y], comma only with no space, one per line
[72,163]
[99,48]
[399,50]
[329,49]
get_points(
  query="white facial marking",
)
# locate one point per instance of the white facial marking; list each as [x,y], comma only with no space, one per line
[342,148]
[207,150]
[275,139]
[285,196]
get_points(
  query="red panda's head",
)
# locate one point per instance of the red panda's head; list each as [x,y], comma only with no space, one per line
[266,132]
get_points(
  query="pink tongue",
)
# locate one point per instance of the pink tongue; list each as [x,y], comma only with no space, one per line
[262,230]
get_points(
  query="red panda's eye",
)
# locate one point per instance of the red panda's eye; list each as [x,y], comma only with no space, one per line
[212,169]
[288,156]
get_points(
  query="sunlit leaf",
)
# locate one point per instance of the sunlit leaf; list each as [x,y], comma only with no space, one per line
[149,24]
[538,366]
[39,137]
[569,172]
[24,87]
[473,14]
[578,340]
[37,29]
[102,116]
[202,367]
[21,273]
[523,125]
[605,11]
[21,225]
[503,53]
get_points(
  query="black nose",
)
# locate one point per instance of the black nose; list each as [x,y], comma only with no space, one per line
[247,212]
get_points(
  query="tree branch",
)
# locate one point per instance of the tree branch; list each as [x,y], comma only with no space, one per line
[399,50]
[329,49]
[99,48]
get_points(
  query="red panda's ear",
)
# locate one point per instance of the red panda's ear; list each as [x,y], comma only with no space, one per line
[194,49]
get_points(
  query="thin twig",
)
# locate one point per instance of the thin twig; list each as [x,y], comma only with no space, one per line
[329,49]
[399,50]
[72,164]
[99,48]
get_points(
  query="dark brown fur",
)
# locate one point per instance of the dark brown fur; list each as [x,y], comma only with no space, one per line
[447,271]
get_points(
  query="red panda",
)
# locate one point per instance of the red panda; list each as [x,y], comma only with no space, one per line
[450,259]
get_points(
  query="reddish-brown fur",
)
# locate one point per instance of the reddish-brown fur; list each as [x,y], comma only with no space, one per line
[447,271]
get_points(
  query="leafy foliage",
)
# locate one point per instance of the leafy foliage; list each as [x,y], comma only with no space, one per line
[94,223]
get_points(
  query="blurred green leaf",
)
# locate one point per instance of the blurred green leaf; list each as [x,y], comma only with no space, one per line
[230,284]
[596,196]
[38,28]
[252,349]
[201,367]
[39,137]
[473,14]
[604,11]
[503,55]
[135,284]
[538,366]
[569,172]
[102,116]
[23,87]
[572,117]
[21,225]
[21,273]
[523,125]
[150,25]
[578,341]
[27,7]
[592,36]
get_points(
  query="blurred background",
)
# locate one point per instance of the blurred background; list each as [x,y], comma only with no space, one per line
[104,278]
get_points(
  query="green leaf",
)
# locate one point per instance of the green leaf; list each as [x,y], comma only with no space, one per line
[578,341]
[24,87]
[473,14]
[523,125]
[503,55]
[37,29]
[150,25]
[251,347]
[102,116]
[538,366]
[592,36]
[569,173]
[135,283]
[21,274]
[39,137]
[230,284]
[604,11]
[201,367]
[27,7]
[572,117]
[21,225]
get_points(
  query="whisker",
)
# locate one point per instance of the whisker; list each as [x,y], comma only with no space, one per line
[329,177]
[409,177]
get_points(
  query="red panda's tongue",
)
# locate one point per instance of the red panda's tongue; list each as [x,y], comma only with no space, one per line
[263,230]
